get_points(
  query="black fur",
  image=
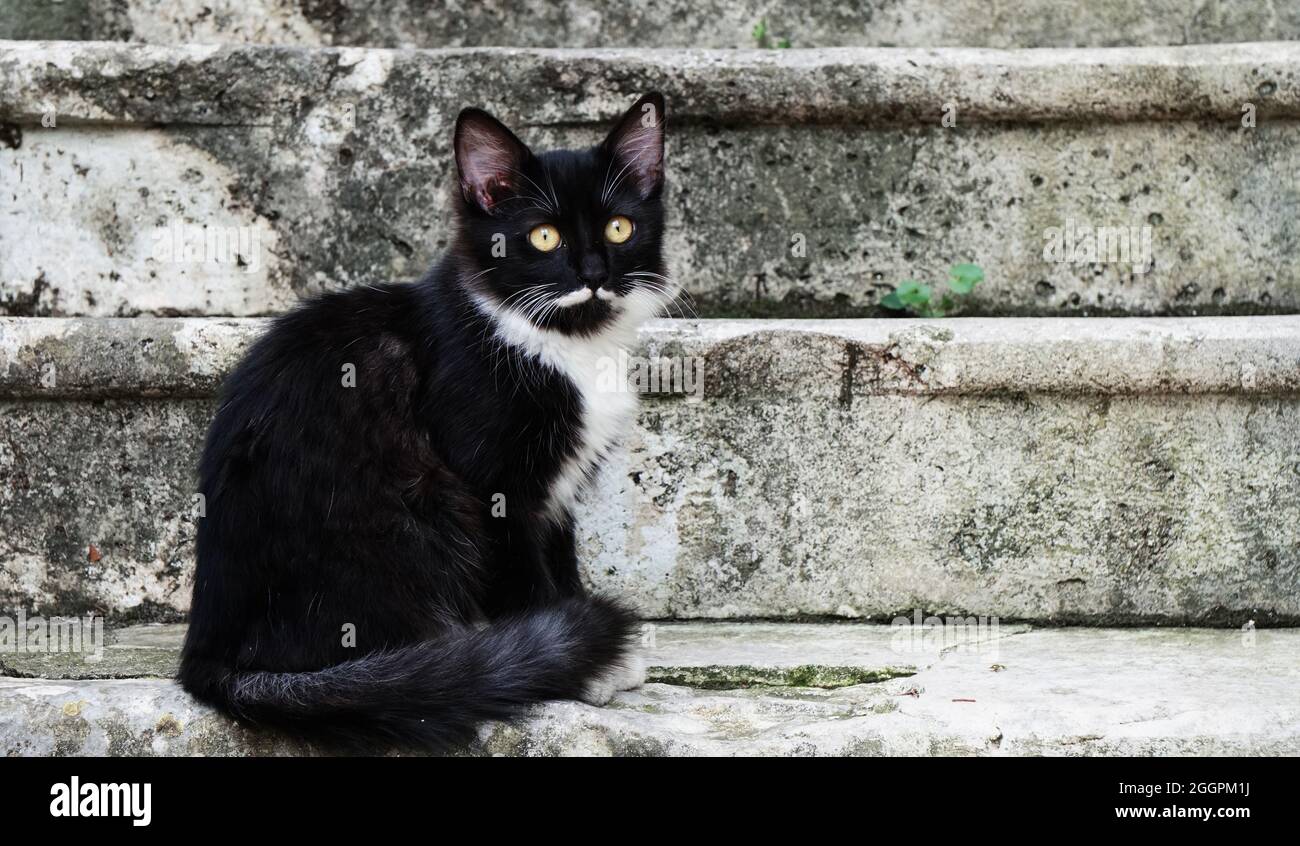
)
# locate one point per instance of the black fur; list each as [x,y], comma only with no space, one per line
[369,509]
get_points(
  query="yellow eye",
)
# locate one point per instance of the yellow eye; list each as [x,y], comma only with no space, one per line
[545,237]
[618,230]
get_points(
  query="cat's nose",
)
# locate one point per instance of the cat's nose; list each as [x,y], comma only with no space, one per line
[592,271]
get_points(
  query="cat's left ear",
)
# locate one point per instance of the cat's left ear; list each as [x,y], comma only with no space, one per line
[637,143]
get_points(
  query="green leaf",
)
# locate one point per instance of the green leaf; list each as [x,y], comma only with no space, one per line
[760,32]
[892,301]
[913,293]
[783,43]
[964,277]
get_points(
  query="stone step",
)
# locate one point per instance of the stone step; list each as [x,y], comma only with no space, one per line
[210,180]
[1092,470]
[767,689]
[646,23]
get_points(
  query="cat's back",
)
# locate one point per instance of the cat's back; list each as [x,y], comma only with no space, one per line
[318,375]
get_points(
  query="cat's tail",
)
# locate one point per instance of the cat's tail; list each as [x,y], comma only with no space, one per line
[432,695]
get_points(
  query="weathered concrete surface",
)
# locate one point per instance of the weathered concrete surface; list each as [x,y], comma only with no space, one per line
[176,358]
[50,358]
[145,651]
[1046,692]
[646,23]
[802,183]
[152,650]
[1080,470]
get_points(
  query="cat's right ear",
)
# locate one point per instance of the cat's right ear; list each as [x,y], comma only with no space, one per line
[489,158]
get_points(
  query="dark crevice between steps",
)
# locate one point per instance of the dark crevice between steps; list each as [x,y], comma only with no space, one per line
[793,308]
[739,676]
[1215,617]
[710,677]
[75,669]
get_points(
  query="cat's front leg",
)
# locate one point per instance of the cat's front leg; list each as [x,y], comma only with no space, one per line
[534,563]
[629,671]
[562,558]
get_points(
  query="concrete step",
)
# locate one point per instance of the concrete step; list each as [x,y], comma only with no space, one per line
[803,182]
[645,23]
[1069,470]
[768,689]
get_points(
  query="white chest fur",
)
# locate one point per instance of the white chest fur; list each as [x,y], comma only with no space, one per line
[591,366]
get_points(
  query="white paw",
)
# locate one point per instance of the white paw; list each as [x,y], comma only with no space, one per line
[631,673]
[599,691]
[626,675]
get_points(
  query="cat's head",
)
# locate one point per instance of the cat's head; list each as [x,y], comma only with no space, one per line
[569,240]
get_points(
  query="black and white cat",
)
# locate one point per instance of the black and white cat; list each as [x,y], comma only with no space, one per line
[388,554]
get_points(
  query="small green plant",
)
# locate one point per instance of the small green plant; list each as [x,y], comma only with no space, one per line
[764,39]
[912,296]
